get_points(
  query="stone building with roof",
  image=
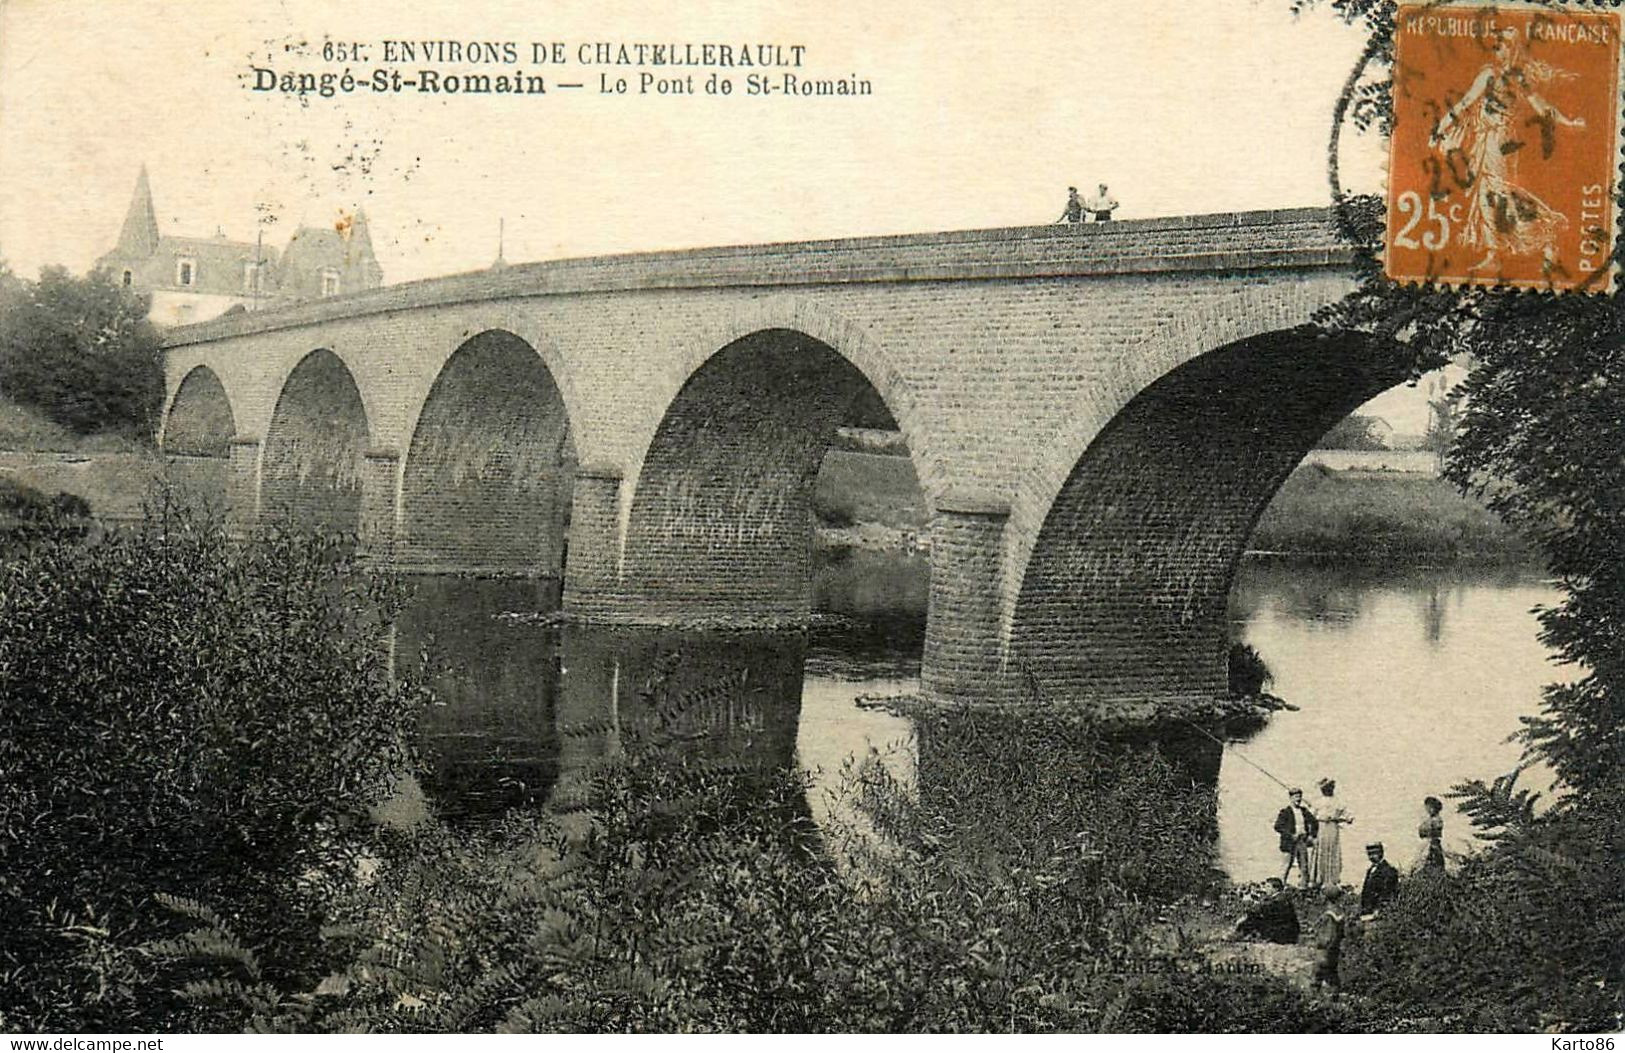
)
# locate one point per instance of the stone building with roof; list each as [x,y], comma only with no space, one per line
[195,279]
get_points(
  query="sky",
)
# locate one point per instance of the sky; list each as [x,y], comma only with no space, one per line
[981,114]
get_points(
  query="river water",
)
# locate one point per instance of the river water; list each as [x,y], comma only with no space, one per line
[1407,682]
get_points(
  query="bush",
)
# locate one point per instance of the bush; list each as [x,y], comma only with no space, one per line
[1354,432]
[1248,671]
[27,515]
[82,351]
[1525,937]
[697,895]
[1197,1001]
[1387,518]
[183,717]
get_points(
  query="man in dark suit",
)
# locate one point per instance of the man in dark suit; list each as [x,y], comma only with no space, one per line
[1270,915]
[1381,880]
[1297,827]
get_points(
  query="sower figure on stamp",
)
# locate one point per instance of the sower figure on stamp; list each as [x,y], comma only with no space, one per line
[1297,827]
[1484,132]
[1101,205]
[1073,212]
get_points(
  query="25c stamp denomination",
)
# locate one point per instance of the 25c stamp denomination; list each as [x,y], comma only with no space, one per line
[1505,150]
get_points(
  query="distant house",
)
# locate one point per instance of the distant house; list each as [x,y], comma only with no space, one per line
[194,279]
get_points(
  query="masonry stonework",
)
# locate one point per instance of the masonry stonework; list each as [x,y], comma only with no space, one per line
[701,386]
[962,659]
[312,463]
[593,559]
[487,483]
[243,488]
[197,437]
[720,523]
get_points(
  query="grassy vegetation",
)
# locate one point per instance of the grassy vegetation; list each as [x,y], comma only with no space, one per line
[25,429]
[1348,516]
[869,488]
[1382,517]
[703,899]
[109,472]
[185,717]
[200,855]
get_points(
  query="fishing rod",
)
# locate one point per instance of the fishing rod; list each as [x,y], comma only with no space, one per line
[1035,687]
[1226,746]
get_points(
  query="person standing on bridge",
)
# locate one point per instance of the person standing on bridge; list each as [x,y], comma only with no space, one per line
[1101,205]
[1073,212]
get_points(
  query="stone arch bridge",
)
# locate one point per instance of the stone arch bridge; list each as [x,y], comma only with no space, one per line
[1097,415]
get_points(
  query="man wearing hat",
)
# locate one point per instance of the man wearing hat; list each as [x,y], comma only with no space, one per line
[1381,880]
[1297,827]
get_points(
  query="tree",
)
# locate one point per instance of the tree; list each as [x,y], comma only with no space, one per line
[1354,432]
[1445,410]
[81,351]
[1539,440]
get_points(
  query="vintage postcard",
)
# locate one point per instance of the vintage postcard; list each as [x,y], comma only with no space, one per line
[860,518]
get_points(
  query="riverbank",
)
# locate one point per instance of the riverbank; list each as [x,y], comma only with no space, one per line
[1383,518]
[1354,516]
[111,474]
[868,500]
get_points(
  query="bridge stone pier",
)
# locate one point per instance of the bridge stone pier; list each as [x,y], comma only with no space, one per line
[1097,415]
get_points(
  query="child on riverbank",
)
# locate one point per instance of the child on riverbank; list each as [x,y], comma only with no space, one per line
[1329,931]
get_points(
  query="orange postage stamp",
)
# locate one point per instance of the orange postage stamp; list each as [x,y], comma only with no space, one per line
[1505,150]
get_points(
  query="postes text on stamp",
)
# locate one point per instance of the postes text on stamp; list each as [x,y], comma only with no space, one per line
[1504,158]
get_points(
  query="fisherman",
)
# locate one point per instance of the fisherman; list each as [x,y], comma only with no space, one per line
[1297,828]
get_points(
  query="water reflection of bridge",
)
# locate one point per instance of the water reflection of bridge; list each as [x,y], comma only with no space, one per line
[528,706]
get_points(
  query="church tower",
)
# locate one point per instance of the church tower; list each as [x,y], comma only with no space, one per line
[139,237]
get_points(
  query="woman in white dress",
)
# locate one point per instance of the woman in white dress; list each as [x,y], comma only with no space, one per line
[1326,857]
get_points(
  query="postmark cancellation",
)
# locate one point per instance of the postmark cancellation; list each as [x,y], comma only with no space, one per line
[1505,153]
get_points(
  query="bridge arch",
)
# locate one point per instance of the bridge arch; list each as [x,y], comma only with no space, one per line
[488,475]
[719,520]
[196,436]
[199,420]
[1124,588]
[741,319]
[311,461]
[435,340]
